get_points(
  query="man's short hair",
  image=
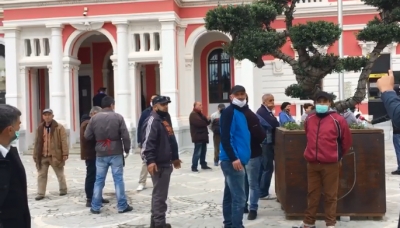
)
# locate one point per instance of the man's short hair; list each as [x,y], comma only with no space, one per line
[107,101]
[95,109]
[221,106]
[8,116]
[284,105]
[264,97]
[307,105]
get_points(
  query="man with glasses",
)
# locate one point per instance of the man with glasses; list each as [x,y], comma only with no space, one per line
[160,152]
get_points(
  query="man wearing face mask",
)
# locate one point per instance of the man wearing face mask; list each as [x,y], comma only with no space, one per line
[14,209]
[50,149]
[235,153]
[270,123]
[215,128]
[324,152]
[160,152]
[143,117]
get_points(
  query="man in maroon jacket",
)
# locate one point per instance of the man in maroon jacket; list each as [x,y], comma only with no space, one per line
[328,140]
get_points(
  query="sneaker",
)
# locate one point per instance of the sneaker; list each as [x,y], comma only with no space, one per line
[37,198]
[268,197]
[88,203]
[252,215]
[63,193]
[397,172]
[195,170]
[303,225]
[216,164]
[141,187]
[206,167]
[127,209]
[330,227]
[94,212]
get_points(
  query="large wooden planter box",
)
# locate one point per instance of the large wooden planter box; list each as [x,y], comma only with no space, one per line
[362,190]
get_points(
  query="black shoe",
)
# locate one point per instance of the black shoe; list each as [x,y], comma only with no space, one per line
[167,225]
[105,201]
[397,172]
[205,167]
[127,209]
[94,212]
[246,210]
[195,170]
[88,203]
[252,215]
[39,198]
[152,224]
[63,194]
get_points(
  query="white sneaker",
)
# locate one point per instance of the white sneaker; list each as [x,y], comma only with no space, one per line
[330,227]
[268,197]
[140,187]
[302,225]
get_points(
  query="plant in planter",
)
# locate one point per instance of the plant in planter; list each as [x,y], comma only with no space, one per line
[253,36]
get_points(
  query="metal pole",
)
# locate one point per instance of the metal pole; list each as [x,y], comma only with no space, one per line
[340,45]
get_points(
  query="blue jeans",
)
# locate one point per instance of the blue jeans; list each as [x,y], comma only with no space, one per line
[267,169]
[234,195]
[117,168]
[396,144]
[253,174]
[200,150]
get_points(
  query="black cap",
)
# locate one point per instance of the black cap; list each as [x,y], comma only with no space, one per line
[237,88]
[161,100]
[323,94]
[47,110]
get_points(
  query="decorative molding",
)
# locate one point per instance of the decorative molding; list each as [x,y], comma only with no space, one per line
[188,63]
[160,64]
[238,63]
[132,65]
[88,26]
[22,69]
[68,67]
[367,48]
[277,67]
[115,64]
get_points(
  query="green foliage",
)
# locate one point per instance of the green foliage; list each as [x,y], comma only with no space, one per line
[357,126]
[293,126]
[253,37]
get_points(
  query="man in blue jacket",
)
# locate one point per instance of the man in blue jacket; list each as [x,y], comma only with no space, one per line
[234,154]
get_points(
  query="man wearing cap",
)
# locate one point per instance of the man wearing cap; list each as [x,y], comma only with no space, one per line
[324,152]
[101,93]
[160,152]
[215,128]
[145,115]
[109,130]
[234,155]
[50,149]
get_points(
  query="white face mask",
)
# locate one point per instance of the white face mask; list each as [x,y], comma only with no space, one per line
[238,102]
[151,104]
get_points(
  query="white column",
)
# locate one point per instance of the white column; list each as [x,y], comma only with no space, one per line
[42,47]
[35,98]
[168,67]
[75,80]
[12,48]
[23,95]
[105,77]
[152,43]
[123,92]
[136,97]
[186,91]
[142,42]
[33,50]
[67,76]
[56,85]
[246,79]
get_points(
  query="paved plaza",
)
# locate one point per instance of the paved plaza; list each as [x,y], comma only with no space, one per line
[194,199]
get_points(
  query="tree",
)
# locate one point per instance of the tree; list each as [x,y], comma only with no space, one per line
[253,37]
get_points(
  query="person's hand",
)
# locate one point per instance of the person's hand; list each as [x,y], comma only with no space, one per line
[237,165]
[65,157]
[386,83]
[152,169]
[177,163]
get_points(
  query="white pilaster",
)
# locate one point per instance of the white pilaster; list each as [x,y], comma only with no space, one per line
[246,79]
[75,80]
[142,42]
[56,83]
[12,48]
[42,47]
[152,43]
[123,92]
[34,99]
[23,95]
[185,90]
[136,97]
[168,67]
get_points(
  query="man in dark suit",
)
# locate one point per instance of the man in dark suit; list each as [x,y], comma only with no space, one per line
[14,209]
[99,96]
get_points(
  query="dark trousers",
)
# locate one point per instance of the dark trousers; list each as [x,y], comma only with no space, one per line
[200,151]
[90,178]
[267,169]
[16,223]
[217,141]
[160,194]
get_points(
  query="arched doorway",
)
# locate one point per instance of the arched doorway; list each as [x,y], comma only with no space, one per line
[219,76]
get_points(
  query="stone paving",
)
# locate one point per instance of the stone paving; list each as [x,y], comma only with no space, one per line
[194,200]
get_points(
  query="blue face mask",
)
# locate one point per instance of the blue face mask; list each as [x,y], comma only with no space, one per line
[16,135]
[321,108]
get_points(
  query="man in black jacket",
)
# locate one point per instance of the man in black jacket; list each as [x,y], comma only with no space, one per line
[266,111]
[159,151]
[14,209]
[101,93]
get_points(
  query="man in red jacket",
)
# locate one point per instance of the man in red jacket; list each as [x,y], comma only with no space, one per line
[328,140]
